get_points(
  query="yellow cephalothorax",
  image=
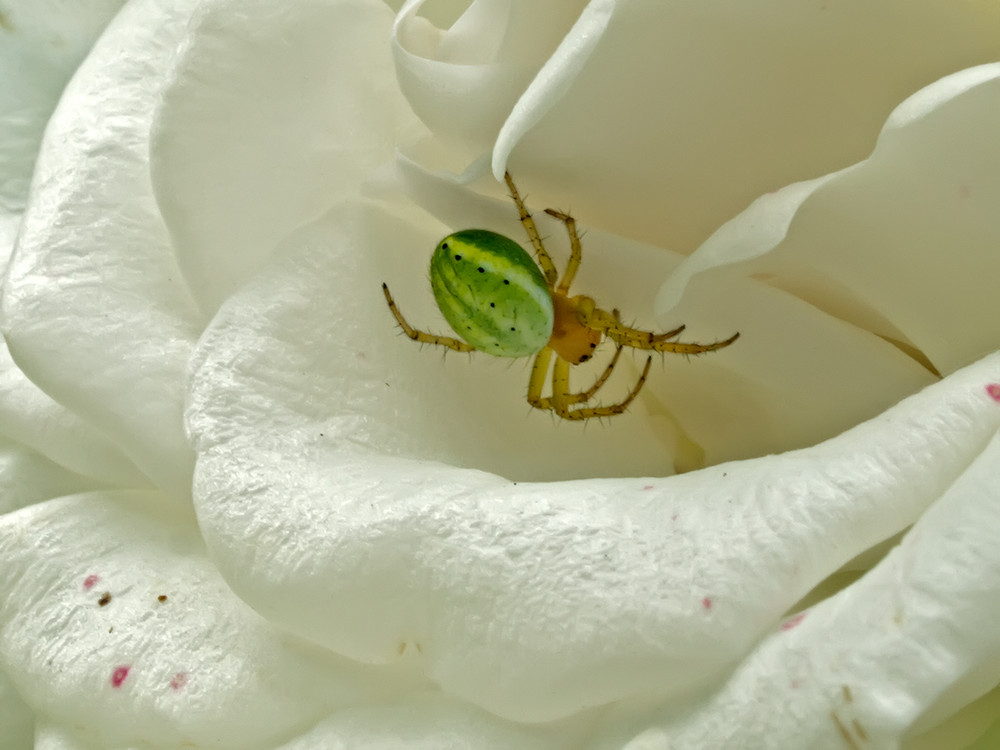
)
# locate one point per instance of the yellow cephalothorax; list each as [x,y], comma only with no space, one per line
[501,302]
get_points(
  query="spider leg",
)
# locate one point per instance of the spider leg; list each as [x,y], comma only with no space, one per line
[544,259]
[421,336]
[576,252]
[667,335]
[561,395]
[639,339]
[584,396]
[539,369]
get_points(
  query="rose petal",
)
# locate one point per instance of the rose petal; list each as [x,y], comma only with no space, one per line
[39,53]
[921,269]
[27,477]
[960,731]
[266,121]
[684,112]
[114,625]
[915,636]
[462,82]
[41,48]
[531,600]
[429,721]
[17,721]
[96,310]
[30,417]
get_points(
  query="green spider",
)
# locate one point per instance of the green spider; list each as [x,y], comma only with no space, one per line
[502,303]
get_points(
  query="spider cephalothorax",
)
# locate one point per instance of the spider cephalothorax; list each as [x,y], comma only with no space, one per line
[501,302]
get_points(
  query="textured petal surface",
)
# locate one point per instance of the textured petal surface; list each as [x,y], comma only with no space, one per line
[41,44]
[416,558]
[916,634]
[111,619]
[314,491]
[93,281]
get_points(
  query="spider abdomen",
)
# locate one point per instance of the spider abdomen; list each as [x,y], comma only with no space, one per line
[492,293]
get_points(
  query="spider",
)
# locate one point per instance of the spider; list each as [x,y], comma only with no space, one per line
[502,303]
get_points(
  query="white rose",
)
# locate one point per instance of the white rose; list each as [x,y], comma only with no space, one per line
[242,511]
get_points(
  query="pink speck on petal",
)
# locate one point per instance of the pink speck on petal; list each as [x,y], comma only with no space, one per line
[993,390]
[793,621]
[179,680]
[89,581]
[706,603]
[648,487]
[119,675]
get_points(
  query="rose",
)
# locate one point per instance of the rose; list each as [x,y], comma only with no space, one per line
[256,270]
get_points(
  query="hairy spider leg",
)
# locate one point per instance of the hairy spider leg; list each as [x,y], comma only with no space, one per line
[540,368]
[611,324]
[561,396]
[536,381]
[422,336]
[576,252]
[635,338]
[544,259]
[617,331]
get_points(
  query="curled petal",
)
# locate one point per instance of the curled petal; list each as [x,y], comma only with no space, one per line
[266,121]
[93,280]
[901,244]
[681,113]
[913,638]
[463,82]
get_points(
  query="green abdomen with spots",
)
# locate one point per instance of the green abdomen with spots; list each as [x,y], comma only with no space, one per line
[492,293]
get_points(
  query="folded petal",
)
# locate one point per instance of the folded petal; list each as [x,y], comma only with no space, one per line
[96,310]
[30,417]
[914,637]
[902,244]
[40,50]
[272,112]
[682,112]
[27,477]
[462,81]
